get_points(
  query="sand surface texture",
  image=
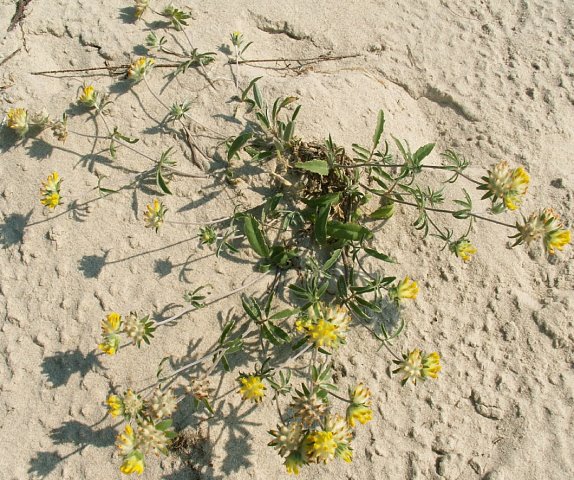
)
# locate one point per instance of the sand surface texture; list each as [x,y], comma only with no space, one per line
[493,79]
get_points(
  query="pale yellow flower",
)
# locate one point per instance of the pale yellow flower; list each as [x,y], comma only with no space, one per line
[139,68]
[110,344]
[320,446]
[112,323]
[325,326]
[17,120]
[418,366]
[127,441]
[360,394]
[360,413]
[545,224]
[252,388]
[294,462]
[132,404]
[115,405]
[154,214]
[133,463]
[406,288]
[141,7]
[50,191]
[556,240]
[506,184]
[463,249]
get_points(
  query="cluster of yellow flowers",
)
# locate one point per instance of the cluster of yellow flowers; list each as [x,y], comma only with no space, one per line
[545,225]
[17,120]
[136,328]
[463,249]
[506,184]
[323,436]
[417,365]
[405,289]
[153,432]
[50,191]
[325,326]
[139,68]
[252,388]
[154,214]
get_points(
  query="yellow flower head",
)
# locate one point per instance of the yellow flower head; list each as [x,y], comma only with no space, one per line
[325,326]
[463,249]
[360,395]
[518,186]
[294,462]
[154,214]
[431,365]
[252,388]
[338,426]
[110,344]
[89,97]
[112,323]
[323,333]
[545,224]
[345,453]
[506,184]
[132,404]
[358,412]
[406,288]
[133,463]
[126,441]
[418,366]
[17,120]
[320,446]
[141,7]
[139,68]
[237,39]
[556,240]
[50,191]
[115,405]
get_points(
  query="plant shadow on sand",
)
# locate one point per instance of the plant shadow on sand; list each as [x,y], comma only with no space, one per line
[61,366]
[73,433]
[12,230]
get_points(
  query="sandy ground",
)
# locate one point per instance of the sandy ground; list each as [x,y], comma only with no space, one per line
[493,79]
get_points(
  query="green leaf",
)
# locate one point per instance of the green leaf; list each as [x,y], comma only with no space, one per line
[348,231]
[255,237]
[320,167]
[423,152]
[164,425]
[278,332]
[269,336]
[257,96]
[236,145]
[284,314]
[247,306]
[381,256]
[323,200]
[321,224]
[331,261]
[249,87]
[379,129]
[161,183]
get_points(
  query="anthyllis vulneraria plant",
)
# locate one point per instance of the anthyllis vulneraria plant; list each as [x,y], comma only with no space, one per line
[313,238]
[50,191]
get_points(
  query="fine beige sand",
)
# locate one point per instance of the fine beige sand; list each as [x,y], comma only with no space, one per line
[493,79]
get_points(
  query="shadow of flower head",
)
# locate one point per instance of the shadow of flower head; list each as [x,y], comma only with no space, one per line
[91,265]
[80,435]
[43,464]
[12,230]
[61,366]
